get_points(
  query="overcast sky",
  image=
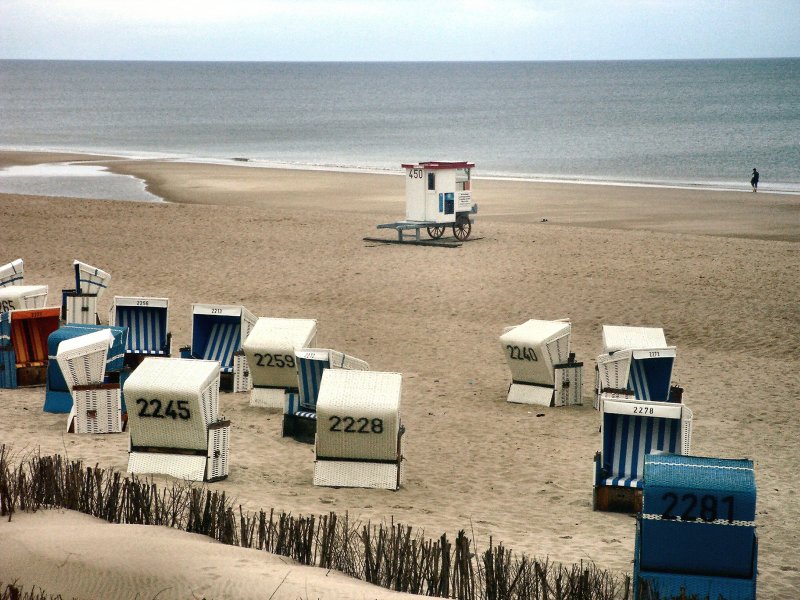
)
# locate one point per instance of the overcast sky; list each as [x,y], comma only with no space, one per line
[356,30]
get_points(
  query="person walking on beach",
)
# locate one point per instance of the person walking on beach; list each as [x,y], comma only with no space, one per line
[754,180]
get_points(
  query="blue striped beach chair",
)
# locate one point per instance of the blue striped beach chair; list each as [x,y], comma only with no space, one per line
[637,360]
[147,320]
[631,430]
[217,333]
[299,415]
[12,273]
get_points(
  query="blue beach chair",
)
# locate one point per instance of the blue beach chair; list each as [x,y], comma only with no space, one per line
[147,320]
[633,429]
[637,360]
[217,334]
[300,409]
[696,536]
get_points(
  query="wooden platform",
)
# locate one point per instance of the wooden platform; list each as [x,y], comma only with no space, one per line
[441,243]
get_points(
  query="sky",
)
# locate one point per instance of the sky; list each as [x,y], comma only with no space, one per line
[397,30]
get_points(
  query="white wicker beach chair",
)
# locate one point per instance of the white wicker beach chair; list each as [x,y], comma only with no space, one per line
[635,359]
[173,419]
[218,331]
[80,304]
[358,442]
[147,320]
[270,349]
[12,273]
[96,406]
[15,297]
[299,414]
[632,429]
[82,359]
[543,370]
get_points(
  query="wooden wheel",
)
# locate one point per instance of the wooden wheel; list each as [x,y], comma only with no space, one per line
[462,229]
[436,231]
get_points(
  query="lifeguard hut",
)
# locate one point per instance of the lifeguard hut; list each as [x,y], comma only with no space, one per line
[438,195]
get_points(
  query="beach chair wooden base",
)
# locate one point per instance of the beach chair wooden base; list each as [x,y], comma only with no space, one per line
[96,409]
[226,382]
[209,466]
[525,393]
[357,474]
[31,376]
[301,427]
[617,499]
[268,397]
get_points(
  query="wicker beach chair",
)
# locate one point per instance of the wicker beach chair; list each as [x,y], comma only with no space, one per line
[300,409]
[79,305]
[638,360]
[174,422]
[15,297]
[58,396]
[23,346]
[217,334]
[543,370]
[12,273]
[270,349]
[631,430]
[96,406]
[696,536]
[359,434]
[147,320]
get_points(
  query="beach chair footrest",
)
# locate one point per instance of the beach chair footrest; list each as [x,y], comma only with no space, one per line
[617,499]
[522,393]
[360,474]
[31,375]
[266,397]
[180,466]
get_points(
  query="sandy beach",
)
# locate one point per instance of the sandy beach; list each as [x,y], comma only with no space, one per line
[716,269]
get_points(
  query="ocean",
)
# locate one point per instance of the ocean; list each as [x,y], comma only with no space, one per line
[703,123]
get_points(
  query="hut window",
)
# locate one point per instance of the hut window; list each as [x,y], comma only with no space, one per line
[431,181]
[462,179]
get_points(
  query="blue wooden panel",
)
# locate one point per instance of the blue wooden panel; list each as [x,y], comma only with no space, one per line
[699,515]
[8,358]
[8,369]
